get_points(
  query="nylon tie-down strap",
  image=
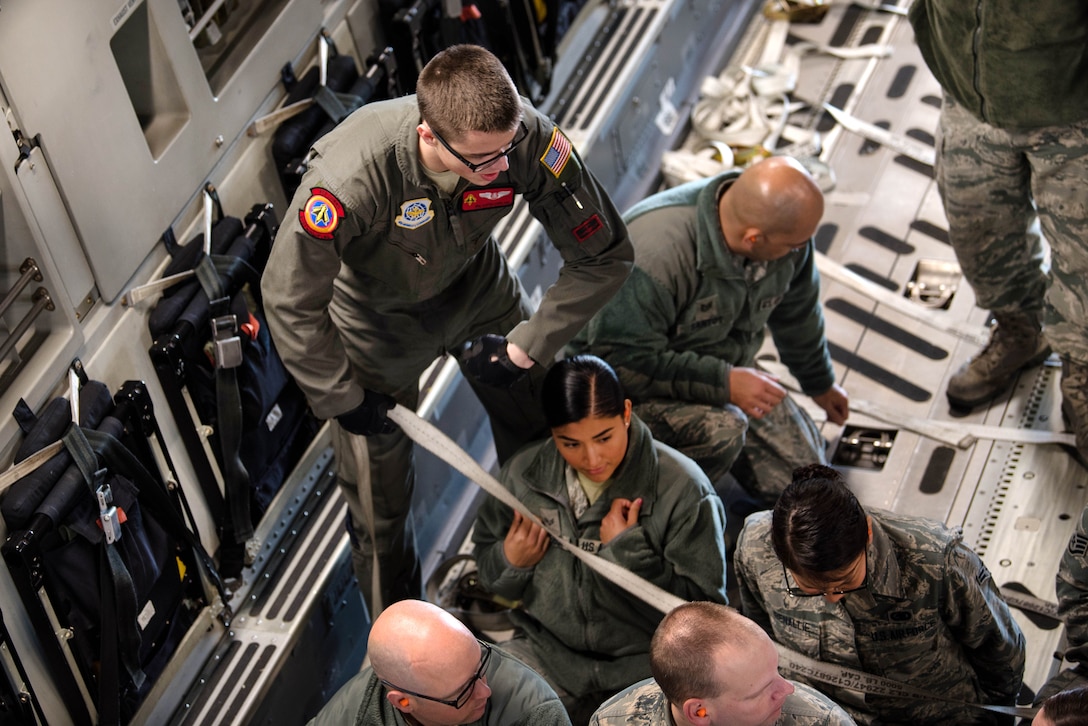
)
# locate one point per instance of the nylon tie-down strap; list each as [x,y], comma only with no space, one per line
[434,440]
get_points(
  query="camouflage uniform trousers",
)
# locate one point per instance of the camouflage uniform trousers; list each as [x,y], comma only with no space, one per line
[716,437]
[988,179]
[644,704]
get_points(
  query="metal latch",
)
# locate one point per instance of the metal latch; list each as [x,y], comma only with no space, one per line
[228,346]
[108,515]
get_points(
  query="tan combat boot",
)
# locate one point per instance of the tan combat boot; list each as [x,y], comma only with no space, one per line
[1075,402]
[1016,342]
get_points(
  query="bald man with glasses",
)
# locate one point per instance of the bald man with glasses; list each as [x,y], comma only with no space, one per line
[892,595]
[427,669]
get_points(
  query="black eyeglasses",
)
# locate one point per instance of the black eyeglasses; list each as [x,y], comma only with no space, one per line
[465,693]
[797,592]
[523,133]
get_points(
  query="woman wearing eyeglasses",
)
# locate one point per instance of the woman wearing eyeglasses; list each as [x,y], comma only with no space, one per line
[600,482]
[893,595]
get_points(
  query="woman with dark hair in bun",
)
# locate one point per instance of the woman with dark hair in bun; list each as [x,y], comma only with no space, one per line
[603,483]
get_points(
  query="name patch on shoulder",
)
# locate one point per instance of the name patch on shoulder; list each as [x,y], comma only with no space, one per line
[321,214]
[557,154]
[474,199]
[415,213]
[588,228]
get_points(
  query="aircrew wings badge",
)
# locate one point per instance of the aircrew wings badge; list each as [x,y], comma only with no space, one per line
[557,154]
[321,214]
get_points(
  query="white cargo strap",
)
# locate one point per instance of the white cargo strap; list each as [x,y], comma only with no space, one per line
[905,145]
[365,491]
[959,435]
[856,680]
[834,271]
[434,440]
[29,464]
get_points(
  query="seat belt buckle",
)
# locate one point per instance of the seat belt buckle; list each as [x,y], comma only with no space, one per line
[228,346]
[109,516]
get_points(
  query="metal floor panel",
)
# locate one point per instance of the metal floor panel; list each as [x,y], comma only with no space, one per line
[1017,502]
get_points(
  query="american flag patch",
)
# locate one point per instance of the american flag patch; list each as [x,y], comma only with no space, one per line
[557,153]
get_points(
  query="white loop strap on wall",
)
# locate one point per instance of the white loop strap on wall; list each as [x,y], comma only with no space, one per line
[431,438]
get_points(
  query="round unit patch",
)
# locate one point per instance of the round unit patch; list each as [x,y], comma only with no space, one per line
[321,214]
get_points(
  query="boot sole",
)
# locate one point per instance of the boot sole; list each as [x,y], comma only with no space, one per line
[966,404]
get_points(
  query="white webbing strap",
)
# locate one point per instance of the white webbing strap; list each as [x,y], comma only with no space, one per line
[959,435]
[365,491]
[855,680]
[839,273]
[29,464]
[434,440]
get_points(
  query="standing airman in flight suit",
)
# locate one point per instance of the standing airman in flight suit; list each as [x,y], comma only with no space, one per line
[387,261]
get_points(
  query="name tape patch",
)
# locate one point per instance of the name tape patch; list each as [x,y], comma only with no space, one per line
[588,228]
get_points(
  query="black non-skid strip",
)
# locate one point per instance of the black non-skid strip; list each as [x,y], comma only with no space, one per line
[922,135]
[878,373]
[914,165]
[928,228]
[242,690]
[873,276]
[845,30]
[825,235]
[886,240]
[903,76]
[889,330]
[205,684]
[937,468]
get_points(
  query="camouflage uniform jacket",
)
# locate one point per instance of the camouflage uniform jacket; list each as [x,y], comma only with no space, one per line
[692,309]
[1072,586]
[643,704]
[589,634]
[519,697]
[1012,64]
[930,616]
[388,239]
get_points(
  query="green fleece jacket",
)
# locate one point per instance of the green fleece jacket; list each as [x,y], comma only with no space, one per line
[1016,64]
[690,311]
[589,634]
[519,697]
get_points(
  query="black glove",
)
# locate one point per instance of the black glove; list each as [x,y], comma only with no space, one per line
[369,417]
[485,359]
